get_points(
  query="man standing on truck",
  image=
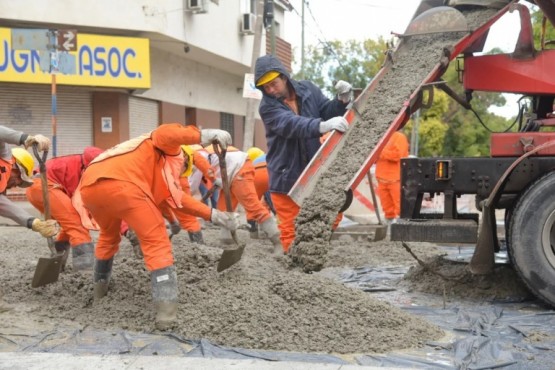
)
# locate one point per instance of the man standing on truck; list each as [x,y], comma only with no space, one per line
[388,174]
[295,115]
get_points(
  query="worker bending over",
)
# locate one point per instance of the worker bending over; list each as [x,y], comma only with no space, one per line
[132,182]
[16,169]
[63,175]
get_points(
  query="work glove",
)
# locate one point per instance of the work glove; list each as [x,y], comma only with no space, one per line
[46,228]
[218,183]
[224,219]
[336,123]
[209,135]
[43,143]
[175,227]
[344,91]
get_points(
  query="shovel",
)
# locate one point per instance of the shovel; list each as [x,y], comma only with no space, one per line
[229,256]
[48,269]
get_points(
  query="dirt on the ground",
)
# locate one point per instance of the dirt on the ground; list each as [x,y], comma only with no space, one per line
[260,303]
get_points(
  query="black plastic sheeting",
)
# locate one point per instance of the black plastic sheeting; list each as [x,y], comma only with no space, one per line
[484,335]
[481,335]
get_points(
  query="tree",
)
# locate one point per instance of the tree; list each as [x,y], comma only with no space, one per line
[353,61]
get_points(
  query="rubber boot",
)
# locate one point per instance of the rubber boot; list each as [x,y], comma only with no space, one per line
[196,237]
[83,256]
[101,277]
[164,296]
[270,228]
[253,229]
[225,236]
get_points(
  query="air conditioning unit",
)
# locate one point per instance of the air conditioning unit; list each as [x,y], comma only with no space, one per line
[248,21]
[197,6]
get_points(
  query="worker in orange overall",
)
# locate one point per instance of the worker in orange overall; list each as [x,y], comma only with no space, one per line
[388,174]
[132,182]
[261,183]
[295,115]
[241,175]
[16,169]
[63,175]
[186,220]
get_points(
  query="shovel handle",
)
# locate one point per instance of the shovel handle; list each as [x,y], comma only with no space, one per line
[220,152]
[44,186]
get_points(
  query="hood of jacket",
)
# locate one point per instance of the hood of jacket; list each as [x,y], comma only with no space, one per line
[266,64]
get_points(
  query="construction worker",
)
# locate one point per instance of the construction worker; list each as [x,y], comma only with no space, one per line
[261,183]
[295,115]
[16,169]
[132,182]
[63,175]
[388,175]
[240,172]
[193,158]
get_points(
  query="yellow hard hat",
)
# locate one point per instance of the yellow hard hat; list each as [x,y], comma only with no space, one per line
[267,77]
[254,153]
[24,161]
[188,151]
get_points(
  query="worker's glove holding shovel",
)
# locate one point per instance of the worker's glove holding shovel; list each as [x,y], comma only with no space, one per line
[209,135]
[336,123]
[224,219]
[46,228]
[344,91]
[218,183]
[43,143]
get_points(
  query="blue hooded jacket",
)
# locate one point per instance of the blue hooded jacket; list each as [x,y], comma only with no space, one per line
[292,139]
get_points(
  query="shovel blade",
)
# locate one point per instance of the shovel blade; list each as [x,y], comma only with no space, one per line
[47,271]
[230,257]
[437,20]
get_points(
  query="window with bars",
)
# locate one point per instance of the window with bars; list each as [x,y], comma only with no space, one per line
[226,123]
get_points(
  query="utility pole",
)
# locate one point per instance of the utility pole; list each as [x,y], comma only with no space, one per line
[302,40]
[414,134]
[248,136]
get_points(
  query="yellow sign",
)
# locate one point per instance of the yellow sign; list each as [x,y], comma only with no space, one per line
[101,61]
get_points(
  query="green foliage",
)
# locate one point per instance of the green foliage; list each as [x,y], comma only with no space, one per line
[352,61]
[537,19]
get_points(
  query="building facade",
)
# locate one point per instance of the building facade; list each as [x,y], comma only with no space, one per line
[131,65]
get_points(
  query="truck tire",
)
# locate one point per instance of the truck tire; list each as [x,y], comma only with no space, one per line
[532,237]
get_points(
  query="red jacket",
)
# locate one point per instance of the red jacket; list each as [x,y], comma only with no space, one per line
[66,171]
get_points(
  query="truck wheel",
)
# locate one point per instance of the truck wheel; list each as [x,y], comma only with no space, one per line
[532,237]
[507,225]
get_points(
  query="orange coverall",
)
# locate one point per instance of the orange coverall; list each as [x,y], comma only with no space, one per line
[133,186]
[63,175]
[242,186]
[388,174]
